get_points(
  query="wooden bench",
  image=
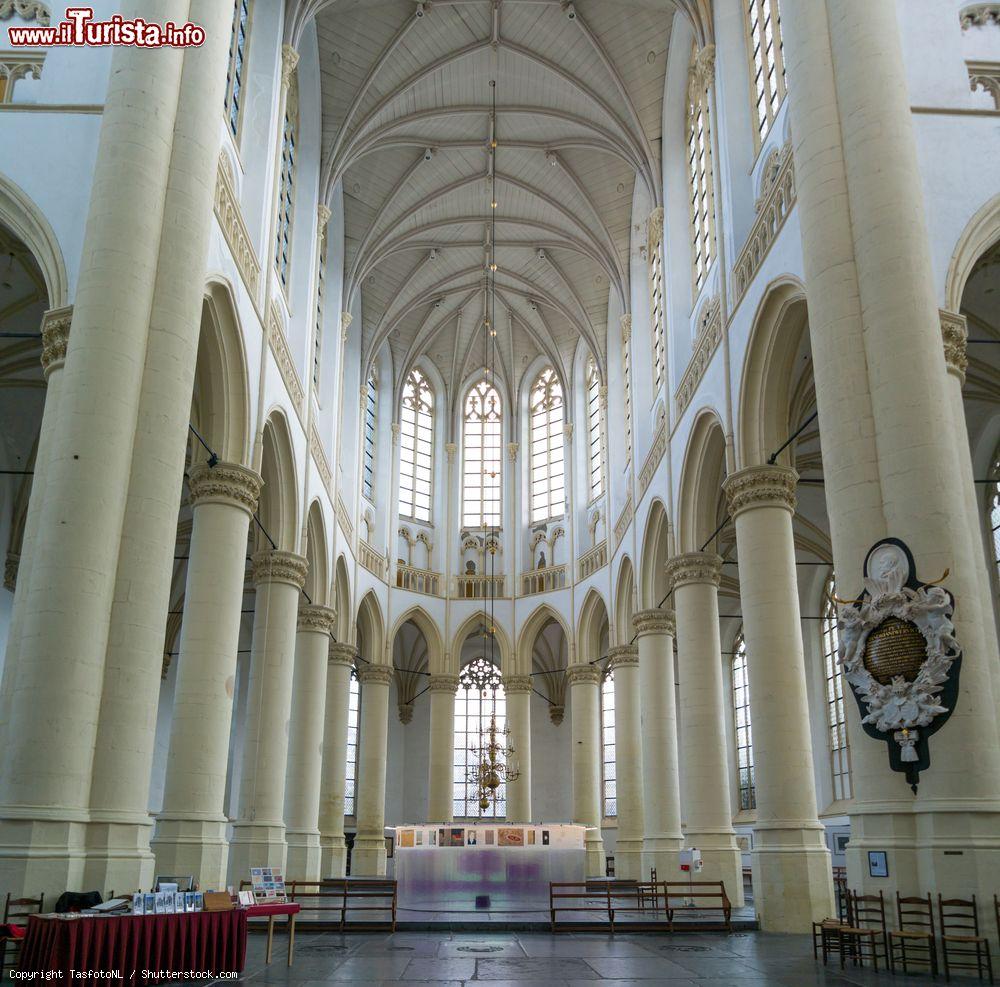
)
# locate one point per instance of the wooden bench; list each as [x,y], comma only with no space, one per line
[590,897]
[698,896]
[368,896]
[324,897]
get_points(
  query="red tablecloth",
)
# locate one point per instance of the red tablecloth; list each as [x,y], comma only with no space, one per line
[201,942]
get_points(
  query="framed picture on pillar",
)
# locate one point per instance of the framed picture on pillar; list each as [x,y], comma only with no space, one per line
[878,863]
[390,846]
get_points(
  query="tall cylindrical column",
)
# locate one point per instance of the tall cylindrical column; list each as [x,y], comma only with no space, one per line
[331,814]
[695,578]
[662,836]
[190,835]
[368,856]
[303,774]
[517,689]
[440,787]
[792,875]
[46,761]
[259,830]
[623,661]
[118,853]
[866,257]
[585,716]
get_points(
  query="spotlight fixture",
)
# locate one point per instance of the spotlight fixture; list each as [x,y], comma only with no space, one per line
[429,153]
[570,11]
[421,10]
[541,253]
[550,156]
[493,204]
[493,266]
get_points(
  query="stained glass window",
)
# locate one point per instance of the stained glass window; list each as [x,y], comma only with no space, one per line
[836,714]
[474,708]
[767,64]
[416,451]
[548,494]
[237,65]
[741,719]
[595,453]
[353,720]
[700,178]
[609,775]
[482,457]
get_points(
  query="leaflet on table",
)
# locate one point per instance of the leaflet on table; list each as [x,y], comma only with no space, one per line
[167,902]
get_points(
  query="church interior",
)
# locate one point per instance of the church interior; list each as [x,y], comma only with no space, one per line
[501,468]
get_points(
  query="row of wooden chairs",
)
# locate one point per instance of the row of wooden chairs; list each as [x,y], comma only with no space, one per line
[860,933]
[16,912]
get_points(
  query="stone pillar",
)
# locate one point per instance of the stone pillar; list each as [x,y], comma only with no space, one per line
[47,758]
[890,467]
[259,830]
[517,689]
[118,853]
[662,836]
[624,662]
[792,876]
[440,786]
[368,856]
[694,578]
[332,788]
[585,714]
[190,835]
[304,772]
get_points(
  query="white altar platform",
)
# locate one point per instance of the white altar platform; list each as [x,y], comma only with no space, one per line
[485,866]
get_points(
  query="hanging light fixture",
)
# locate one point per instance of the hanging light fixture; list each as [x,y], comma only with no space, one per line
[495,761]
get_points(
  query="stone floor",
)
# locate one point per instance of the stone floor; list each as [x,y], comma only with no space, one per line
[693,960]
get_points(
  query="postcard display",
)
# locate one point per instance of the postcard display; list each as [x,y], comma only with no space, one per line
[447,867]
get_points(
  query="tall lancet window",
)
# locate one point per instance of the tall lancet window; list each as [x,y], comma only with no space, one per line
[353,721]
[609,775]
[595,450]
[836,712]
[657,306]
[741,720]
[474,709]
[482,457]
[320,306]
[700,173]
[416,447]
[371,410]
[627,382]
[994,518]
[286,183]
[767,64]
[237,65]
[548,493]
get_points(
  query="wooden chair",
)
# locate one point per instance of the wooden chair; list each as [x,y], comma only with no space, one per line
[17,908]
[826,937]
[649,893]
[960,938]
[915,918]
[866,932]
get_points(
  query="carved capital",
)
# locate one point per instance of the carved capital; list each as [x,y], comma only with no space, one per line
[602,396]
[623,656]
[224,483]
[405,711]
[556,714]
[583,675]
[443,683]
[323,214]
[55,338]
[375,675]
[655,622]
[289,60]
[342,654]
[10,567]
[512,448]
[954,335]
[395,433]
[316,618]
[702,72]
[654,229]
[694,567]
[517,684]
[760,486]
[626,323]
[568,431]
[275,566]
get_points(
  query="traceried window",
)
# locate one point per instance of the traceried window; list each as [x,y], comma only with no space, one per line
[700,176]
[627,388]
[595,452]
[286,184]
[995,513]
[237,65]
[320,304]
[482,457]
[416,447]
[474,708]
[836,713]
[371,408]
[767,64]
[741,720]
[548,496]
[656,311]
[353,719]
[609,789]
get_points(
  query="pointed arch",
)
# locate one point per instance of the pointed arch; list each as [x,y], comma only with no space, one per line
[624,602]
[279,500]
[424,623]
[701,482]
[655,551]
[342,599]
[475,625]
[26,220]
[317,585]
[371,630]
[529,632]
[593,628]
[981,232]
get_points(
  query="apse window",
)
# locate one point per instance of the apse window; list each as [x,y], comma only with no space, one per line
[836,718]
[609,766]
[237,65]
[416,448]
[595,451]
[482,457]
[320,303]
[286,184]
[371,408]
[995,515]
[548,492]
[700,177]
[627,392]
[656,303]
[767,64]
[741,719]
[351,772]
[479,699]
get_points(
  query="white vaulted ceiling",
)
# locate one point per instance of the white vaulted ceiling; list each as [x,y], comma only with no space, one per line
[407,123]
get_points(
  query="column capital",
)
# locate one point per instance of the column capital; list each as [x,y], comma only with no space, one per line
[375,675]
[323,214]
[394,427]
[583,675]
[654,227]
[405,711]
[626,323]
[760,486]
[443,683]
[568,431]
[289,60]
[316,618]
[512,448]
[276,566]
[655,621]
[622,655]
[342,654]
[517,684]
[55,338]
[954,335]
[694,567]
[225,483]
